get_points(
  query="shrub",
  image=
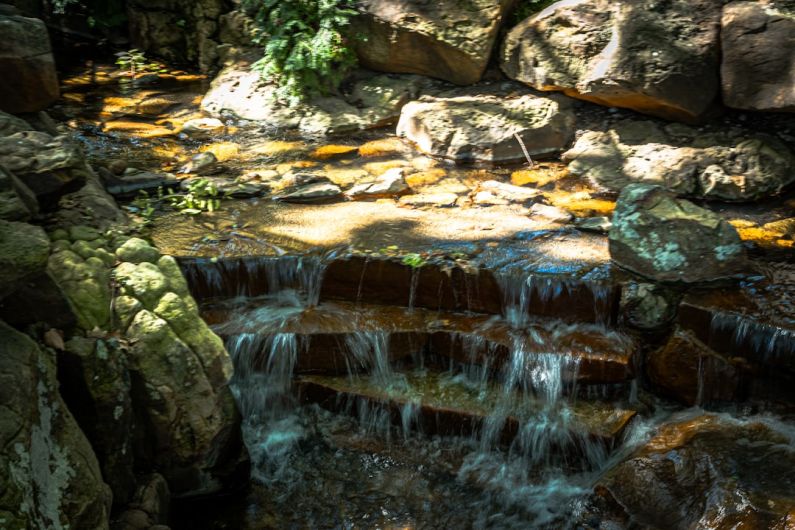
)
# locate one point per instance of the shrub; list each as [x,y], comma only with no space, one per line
[306,50]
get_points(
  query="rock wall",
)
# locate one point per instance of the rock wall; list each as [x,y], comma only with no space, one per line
[50,476]
[178,30]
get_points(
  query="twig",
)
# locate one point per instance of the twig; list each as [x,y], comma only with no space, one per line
[524,150]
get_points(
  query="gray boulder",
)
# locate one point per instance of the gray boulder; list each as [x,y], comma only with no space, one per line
[667,239]
[483,128]
[659,58]
[731,165]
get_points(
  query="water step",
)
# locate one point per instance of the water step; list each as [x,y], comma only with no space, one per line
[441,404]
[440,285]
[337,337]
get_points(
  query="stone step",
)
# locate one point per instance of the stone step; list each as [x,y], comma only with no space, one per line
[441,285]
[435,403]
[333,335]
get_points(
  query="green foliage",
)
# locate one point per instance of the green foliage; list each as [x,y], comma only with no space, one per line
[202,196]
[135,62]
[526,8]
[306,50]
[414,261]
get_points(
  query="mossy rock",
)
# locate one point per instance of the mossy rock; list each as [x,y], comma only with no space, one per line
[24,250]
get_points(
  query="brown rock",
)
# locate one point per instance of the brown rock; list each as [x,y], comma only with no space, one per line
[445,39]
[659,58]
[758,68]
[686,370]
[30,82]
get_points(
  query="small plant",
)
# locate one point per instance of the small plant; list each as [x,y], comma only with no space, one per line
[414,261]
[145,205]
[306,50]
[202,196]
[134,62]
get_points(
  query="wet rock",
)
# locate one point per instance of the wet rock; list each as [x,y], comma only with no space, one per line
[311,193]
[731,165]
[24,250]
[599,225]
[131,183]
[441,200]
[201,163]
[598,50]
[647,306]
[51,478]
[758,45]
[444,39]
[372,102]
[95,383]
[686,370]
[17,202]
[551,213]
[482,128]
[203,127]
[489,198]
[658,236]
[30,82]
[709,471]
[49,166]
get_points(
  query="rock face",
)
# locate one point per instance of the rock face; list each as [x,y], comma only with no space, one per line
[372,102]
[50,476]
[731,165]
[446,39]
[758,44]
[686,370]
[667,239]
[178,30]
[29,83]
[659,58]
[171,372]
[483,128]
[709,472]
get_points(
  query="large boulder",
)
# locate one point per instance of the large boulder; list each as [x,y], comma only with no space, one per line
[731,165]
[50,475]
[483,128]
[180,372]
[709,471]
[24,250]
[758,67]
[372,102]
[667,239]
[659,58]
[445,39]
[30,82]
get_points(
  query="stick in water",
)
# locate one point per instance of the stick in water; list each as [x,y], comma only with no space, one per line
[524,150]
